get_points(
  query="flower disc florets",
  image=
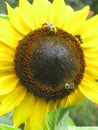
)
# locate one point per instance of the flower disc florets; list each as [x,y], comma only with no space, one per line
[49,63]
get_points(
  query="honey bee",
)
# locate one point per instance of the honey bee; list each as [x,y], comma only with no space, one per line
[79,38]
[51,26]
[69,86]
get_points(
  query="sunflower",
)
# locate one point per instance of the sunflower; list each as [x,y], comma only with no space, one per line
[48,58]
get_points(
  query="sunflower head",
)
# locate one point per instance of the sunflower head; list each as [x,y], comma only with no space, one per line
[47,59]
[49,63]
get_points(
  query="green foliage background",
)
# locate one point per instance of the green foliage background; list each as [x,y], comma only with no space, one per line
[85,113]
[76,4]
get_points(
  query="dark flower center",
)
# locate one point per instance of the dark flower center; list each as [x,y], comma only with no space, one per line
[52,62]
[49,64]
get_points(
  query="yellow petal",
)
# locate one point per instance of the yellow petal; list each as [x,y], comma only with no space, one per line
[7,38]
[27,125]
[76,21]
[89,87]
[10,101]
[4,22]
[68,16]
[91,63]
[89,25]
[90,41]
[50,14]
[26,12]
[6,57]
[17,21]
[87,78]
[39,11]
[89,54]
[57,103]
[92,49]
[94,32]
[75,97]
[7,50]
[59,8]
[25,106]
[8,82]
[8,35]
[6,61]
[50,106]
[38,115]
[5,66]
[92,71]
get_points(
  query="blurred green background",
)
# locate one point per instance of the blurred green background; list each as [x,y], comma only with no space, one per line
[86,112]
[76,4]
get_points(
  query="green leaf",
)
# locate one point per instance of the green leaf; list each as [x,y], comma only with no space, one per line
[6,119]
[81,128]
[59,119]
[71,121]
[5,127]
[3,16]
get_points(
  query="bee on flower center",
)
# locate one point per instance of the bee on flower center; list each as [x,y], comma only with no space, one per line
[69,85]
[79,38]
[51,26]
